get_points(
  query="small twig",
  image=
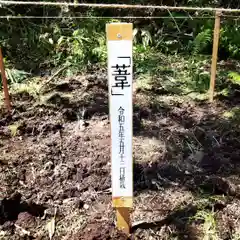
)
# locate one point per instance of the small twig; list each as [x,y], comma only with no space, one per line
[55,74]
[189,146]
[174,21]
[216,141]
[107,191]
[196,139]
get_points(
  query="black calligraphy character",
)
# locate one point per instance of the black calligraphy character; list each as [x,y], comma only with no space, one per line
[116,94]
[122,159]
[121,147]
[129,58]
[121,133]
[122,177]
[121,117]
[121,110]
[121,73]
[121,82]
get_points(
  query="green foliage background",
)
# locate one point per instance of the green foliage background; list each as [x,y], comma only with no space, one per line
[39,45]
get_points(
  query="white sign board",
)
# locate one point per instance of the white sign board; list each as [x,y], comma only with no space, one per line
[120,95]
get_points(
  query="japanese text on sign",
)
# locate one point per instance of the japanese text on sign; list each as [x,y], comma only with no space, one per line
[121,74]
[121,120]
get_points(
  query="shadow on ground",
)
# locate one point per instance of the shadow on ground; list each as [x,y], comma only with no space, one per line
[201,155]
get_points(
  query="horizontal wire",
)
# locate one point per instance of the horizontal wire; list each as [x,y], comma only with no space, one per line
[99,17]
[129,6]
[115,17]
[230,16]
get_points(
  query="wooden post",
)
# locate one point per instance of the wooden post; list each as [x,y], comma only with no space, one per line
[214,55]
[119,43]
[123,220]
[4,82]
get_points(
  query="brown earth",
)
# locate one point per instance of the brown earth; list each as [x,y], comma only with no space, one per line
[55,165]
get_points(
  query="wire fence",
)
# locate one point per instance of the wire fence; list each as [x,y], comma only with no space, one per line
[120,6]
[118,17]
[101,17]
[123,6]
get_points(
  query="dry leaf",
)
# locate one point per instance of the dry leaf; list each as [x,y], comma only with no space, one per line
[51,227]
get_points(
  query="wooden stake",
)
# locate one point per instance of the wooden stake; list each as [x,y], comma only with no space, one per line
[123,220]
[214,55]
[120,62]
[4,82]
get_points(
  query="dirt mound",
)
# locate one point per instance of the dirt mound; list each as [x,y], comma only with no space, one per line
[100,231]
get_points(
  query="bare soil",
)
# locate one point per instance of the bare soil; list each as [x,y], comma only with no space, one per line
[55,165]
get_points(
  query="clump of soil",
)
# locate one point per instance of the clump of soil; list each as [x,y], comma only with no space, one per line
[101,232]
[22,96]
[10,208]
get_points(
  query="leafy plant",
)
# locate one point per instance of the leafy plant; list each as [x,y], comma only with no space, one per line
[202,40]
[142,36]
[235,77]
[14,129]
[229,39]
[52,44]
[233,114]
[32,87]
[209,224]
[15,75]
